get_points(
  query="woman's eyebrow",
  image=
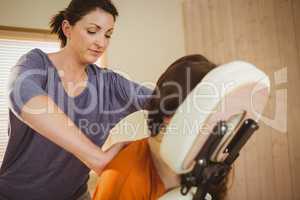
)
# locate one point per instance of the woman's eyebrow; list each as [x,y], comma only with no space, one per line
[111,30]
[98,26]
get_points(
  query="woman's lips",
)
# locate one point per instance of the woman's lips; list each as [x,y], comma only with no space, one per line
[96,52]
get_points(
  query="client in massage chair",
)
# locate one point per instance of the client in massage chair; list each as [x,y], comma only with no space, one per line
[138,172]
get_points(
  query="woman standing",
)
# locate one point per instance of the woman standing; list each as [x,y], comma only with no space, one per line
[62,107]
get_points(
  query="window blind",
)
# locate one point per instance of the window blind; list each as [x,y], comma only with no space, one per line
[10,52]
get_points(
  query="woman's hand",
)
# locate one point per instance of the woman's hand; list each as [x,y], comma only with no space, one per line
[98,163]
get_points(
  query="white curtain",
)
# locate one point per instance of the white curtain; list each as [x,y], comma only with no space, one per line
[10,52]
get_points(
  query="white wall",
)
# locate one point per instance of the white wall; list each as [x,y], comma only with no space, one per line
[29,13]
[148,36]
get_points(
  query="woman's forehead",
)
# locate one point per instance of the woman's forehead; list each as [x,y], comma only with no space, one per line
[98,18]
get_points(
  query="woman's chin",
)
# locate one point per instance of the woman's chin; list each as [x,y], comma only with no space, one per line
[92,59]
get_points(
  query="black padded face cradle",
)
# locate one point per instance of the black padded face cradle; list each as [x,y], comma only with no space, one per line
[206,173]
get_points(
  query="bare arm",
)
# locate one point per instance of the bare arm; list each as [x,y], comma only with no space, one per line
[59,128]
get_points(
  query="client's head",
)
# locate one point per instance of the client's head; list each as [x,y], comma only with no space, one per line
[173,86]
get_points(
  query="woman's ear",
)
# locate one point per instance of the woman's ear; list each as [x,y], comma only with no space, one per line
[66,28]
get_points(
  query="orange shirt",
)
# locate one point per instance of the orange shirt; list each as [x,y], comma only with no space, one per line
[131,175]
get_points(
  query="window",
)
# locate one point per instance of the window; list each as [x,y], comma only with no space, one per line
[10,51]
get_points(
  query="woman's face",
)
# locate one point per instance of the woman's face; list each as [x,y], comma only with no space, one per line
[90,36]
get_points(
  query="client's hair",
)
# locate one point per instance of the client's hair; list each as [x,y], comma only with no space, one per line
[171,89]
[173,86]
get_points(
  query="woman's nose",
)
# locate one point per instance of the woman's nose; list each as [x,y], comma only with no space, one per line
[101,41]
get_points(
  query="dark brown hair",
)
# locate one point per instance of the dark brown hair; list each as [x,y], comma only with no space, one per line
[219,191]
[173,86]
[75,11]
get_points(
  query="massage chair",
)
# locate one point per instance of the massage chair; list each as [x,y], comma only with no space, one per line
[208,130]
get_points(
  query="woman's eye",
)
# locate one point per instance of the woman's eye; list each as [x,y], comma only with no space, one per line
[91,32]
[108,36]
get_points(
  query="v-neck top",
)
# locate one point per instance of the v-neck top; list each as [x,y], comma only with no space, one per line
[34,167]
